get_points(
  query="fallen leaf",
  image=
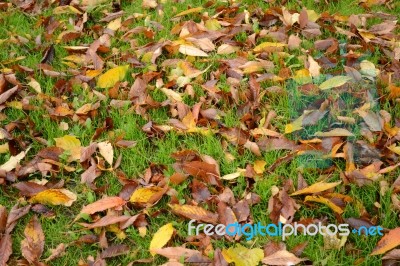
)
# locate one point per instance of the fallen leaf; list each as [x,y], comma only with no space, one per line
[112,76]
[13,161]
[194,213]
[106,150]
[102,205]
[325,201]
[282,257]
[334,82]
[33,245]
[191,50]
[161,237]
[387,242]
[148,195]
[54,197]
[316,187]
[337,132]
[259,166]
[189,11]
[70,144]
[243,256]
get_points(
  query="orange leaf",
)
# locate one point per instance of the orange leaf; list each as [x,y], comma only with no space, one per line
[387,242]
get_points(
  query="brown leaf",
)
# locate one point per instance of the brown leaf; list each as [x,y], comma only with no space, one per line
[207,172]
[282,257]
[114,250]
[102,205]
[57,252]
[107,220]
[5,249]
[176,253]
[4,96]
[194,212]
[387,242]
[33,245]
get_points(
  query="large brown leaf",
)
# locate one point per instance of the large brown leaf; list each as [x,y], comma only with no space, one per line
[194,212]
[33,245]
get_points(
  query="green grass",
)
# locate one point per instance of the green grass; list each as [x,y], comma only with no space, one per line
[158,150]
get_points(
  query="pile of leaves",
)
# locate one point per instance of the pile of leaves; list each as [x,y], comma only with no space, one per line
[207,70]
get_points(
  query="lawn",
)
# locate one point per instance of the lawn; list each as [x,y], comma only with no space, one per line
[121,118]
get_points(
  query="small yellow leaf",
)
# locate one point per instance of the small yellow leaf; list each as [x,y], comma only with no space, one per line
[325,201]
[243,256]
[112,76]
[315,188]
[70,144]
[115,24]
[35,85]
[54,197]
[161,237]
[269,47]
[259,166]
[4,148]
[189,11]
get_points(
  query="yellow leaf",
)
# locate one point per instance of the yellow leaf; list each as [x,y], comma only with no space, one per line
[337,132]
[312,15]
[161,237]
[295,125]
[4,148]
[70,144]
[189,11]
[334,82]
[93,73]
[188,121]
[35,85]
[146,195]
[325,201]
[212,24]
[302,76]
[394,148]
[243,256]
[115,24]
[269,47]
[259,166]
[54,197]
[112,76]
[315,188]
